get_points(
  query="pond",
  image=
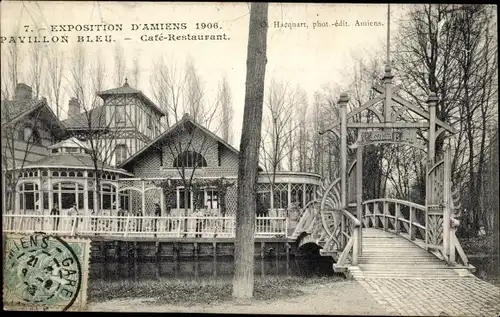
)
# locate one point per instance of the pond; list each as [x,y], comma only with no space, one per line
[218,268]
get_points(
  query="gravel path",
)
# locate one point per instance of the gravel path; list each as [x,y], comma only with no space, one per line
[340,298]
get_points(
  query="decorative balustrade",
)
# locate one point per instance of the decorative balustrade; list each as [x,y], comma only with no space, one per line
[405,218]
[420,224]
[132,226]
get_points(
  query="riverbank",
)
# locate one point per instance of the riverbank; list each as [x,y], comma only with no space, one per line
[325,295]
[201,291]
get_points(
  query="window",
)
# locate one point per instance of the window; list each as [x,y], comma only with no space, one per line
[108,194]
[211,199]
[190,159]
[31,135]
[29,196]
[26,134]
[120,153]
[281,195]
[36,139]
[220,148]
[149,121]
[297,195]
[120,115]
[70,193]
[72,150]
[182,195]
[124,199]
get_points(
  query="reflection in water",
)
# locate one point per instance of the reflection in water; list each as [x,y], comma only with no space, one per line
[217,268]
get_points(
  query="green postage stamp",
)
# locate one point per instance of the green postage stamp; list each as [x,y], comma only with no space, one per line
[45,272]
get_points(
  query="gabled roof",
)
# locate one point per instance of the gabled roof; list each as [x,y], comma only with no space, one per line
[185,119]
[14,110]
[81,121]
[71,143]
[127,90]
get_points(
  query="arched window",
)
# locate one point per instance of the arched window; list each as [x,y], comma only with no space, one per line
[190,159]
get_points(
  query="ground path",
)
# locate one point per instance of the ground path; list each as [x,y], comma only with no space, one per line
[406,279]
[346,297]
[394,277]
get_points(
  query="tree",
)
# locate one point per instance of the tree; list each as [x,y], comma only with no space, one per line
[226,109]
[276,141]
[451,50]
[249,152]
[182,91]
[11,143]
[119,64]
[168,84]
[93,128]
[55,70]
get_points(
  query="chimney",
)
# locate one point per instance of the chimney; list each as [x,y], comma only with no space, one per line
[73,107]
[23,92]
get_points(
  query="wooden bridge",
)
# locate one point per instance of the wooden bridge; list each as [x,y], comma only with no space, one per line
[393,238]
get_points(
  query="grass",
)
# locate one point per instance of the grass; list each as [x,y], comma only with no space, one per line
[479,245]
[188,292]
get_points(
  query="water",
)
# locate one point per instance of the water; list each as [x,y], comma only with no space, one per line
[220,268]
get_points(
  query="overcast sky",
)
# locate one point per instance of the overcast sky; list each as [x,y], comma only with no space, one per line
[302,56]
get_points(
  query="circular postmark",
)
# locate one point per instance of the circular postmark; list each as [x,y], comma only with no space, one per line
[41,270]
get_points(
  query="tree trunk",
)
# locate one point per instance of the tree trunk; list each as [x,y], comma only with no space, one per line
[249,152]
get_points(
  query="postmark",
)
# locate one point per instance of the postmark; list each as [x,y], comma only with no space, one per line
[44,272]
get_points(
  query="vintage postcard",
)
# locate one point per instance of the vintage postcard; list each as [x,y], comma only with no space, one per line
[264,158]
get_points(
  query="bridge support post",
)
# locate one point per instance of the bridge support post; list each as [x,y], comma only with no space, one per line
[343,149]
[356,245]
[359,196]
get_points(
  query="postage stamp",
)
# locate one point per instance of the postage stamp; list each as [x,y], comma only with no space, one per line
[45,272]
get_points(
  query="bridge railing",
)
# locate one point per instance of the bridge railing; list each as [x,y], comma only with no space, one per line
[344,237]
[135,226]
[405,218]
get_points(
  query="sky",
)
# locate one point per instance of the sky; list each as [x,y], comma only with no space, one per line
[308,57]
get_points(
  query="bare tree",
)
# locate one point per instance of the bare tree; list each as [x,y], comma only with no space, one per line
[226,109]
[11,68]
[451,50]
[136,70]
[168,84]
[54,77]
[119,64]
[195,94]
[37,68]
[93,126]
[12,144]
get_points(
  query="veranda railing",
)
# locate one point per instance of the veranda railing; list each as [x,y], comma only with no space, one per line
[135,226]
